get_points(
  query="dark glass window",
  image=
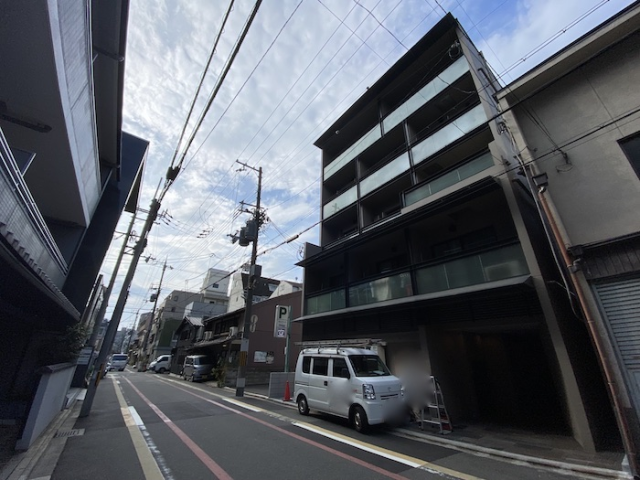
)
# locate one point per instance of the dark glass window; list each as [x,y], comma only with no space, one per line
[631,148]
[306,364]
[321,366]
[340,364]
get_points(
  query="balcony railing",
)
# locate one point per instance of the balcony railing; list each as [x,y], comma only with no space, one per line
[489,266]
[426,93]
[353,151]
[29,230]
[326,302]
[388,288]
[461,173]
[448,134]
[341,201]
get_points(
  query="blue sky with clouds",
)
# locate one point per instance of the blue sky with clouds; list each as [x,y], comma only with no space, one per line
[302,64]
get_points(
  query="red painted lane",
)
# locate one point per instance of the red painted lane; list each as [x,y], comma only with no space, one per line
[333,451]
[216,469]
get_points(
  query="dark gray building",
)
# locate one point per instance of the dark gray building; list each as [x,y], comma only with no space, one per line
[67,171]
[430,241]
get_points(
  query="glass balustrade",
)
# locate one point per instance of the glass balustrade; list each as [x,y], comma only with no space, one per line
[505,262]
[341,201]
[326,302]
[490,266]
[353,151]
[387,173]
[463,172]
[449,134]
[388,288]
[426,93]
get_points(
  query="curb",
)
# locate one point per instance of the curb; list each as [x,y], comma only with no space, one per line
[594,472]
[22,464]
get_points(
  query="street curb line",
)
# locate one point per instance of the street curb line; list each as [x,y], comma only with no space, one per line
[490,452]
[595,472]
[20,468]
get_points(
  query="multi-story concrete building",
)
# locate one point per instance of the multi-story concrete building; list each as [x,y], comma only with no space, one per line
[215,287]
[168,316]
[429,244]
[575,121]
[262,290]
[66,172]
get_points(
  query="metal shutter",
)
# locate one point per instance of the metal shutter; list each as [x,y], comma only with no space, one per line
[620,302]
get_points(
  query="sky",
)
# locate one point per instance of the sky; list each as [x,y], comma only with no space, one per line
[302,64]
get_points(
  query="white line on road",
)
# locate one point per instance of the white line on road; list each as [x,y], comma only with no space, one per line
[134,414]
[389,454]
[243,405]
[383,452]
[152,463]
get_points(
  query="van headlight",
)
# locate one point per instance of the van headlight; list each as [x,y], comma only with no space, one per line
[368,392]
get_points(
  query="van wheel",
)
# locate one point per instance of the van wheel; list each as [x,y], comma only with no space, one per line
[359,419]
[303,406]
[162,370]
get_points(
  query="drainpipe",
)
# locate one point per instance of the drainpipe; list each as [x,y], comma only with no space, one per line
[603,348]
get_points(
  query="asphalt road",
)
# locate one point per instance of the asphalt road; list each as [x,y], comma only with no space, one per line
[155,427]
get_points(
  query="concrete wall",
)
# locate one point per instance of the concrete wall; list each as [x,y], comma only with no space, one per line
[49,400]
[596,193]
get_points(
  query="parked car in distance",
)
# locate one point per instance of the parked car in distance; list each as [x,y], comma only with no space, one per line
[353,383]
[197,368]
[161,364]
[118,361]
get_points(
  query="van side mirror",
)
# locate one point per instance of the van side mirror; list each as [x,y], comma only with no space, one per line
[344,373]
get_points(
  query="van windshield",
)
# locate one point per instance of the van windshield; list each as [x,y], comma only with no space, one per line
[368,366]
[119,357]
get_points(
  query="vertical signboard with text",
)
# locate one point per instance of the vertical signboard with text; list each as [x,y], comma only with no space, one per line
[281,324]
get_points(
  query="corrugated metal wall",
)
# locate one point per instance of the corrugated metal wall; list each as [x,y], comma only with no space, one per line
[620,302]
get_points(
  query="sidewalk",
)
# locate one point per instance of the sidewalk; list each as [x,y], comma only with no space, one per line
[39,462]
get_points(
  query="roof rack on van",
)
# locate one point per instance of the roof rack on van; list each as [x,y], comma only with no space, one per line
[353,342]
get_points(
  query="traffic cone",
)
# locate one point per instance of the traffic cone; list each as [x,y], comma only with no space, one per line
[287,392]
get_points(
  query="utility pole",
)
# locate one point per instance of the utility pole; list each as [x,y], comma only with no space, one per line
[143,362]
[119,308]
[112,281]
[254,275]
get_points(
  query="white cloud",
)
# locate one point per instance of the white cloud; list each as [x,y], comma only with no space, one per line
[298,90]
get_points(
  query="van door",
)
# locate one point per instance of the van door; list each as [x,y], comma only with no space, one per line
[340,388]
[319,384]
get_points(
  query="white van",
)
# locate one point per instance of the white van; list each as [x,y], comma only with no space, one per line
[161,364]
[353,383]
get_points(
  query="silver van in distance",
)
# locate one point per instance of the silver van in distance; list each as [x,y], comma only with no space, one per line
[353,383]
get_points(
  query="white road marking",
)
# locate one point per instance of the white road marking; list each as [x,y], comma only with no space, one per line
[243,405]
[134,414]
[415,463]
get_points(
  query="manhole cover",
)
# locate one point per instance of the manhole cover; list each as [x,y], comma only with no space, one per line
[69,433]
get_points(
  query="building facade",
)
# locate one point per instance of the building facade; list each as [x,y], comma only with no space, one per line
[262,290]
[168,317]
[221,339]
[215,286]
[429,243]
[67,171]
[575,119]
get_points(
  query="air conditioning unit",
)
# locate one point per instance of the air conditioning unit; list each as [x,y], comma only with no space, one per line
[208,335]
[233,331]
